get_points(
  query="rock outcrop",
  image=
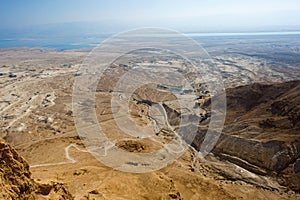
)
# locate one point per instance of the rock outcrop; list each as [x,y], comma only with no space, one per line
[16,181]
[262,131]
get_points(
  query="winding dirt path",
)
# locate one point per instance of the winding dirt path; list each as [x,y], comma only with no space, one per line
[68,156]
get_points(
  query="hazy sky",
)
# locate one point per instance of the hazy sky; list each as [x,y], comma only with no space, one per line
[160,13]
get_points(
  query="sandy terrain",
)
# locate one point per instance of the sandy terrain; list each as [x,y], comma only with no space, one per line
[37,120]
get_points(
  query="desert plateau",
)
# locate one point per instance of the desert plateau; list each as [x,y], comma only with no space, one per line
[256,157]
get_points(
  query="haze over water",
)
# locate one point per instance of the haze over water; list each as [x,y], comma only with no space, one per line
[78,24]
[73,41]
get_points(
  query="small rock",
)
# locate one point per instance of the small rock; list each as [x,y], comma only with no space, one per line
[173,196]
[12,75]
[43,119]
[94,192]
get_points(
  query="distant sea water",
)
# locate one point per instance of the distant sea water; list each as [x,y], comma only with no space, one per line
[57,43]
[80,42]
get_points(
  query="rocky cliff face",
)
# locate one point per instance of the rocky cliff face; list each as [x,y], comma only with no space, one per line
[262,131]
[16,183]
